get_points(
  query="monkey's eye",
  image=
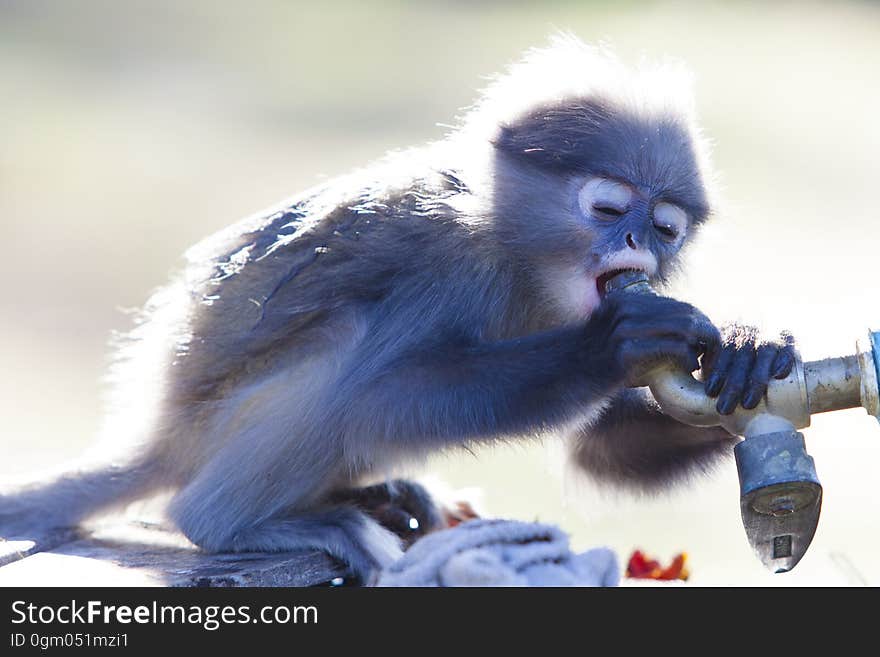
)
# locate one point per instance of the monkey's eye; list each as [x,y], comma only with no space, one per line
[670,221]
[604,199]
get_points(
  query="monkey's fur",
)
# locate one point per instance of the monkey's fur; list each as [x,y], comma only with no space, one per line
[442,297]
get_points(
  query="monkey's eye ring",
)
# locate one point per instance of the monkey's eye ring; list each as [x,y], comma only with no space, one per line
[602,198]
[670,221]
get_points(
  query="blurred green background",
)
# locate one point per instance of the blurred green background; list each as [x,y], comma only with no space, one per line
[129,130]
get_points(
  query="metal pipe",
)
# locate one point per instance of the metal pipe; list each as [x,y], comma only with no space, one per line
[833,384]
[818,386]
[781,496]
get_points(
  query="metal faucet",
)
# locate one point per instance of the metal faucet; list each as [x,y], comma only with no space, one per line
[780,493]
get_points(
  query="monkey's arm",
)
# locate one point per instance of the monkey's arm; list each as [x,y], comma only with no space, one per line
[633,444]
[445,389]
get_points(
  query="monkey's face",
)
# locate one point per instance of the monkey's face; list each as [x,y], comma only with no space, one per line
[585,189]
[604,226]
[631,228]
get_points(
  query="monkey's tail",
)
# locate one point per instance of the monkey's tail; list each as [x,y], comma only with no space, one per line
[27,512]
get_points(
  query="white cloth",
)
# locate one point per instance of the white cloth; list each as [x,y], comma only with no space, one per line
[494,552]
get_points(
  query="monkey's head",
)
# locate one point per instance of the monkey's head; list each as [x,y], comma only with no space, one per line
[595,168]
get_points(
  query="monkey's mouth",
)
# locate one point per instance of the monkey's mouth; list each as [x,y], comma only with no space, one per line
[602,281]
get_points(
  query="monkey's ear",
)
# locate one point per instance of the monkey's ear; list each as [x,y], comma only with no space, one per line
[525,145]
[563,135]
[505,139]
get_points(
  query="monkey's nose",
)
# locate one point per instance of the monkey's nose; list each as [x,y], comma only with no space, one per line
[631,241]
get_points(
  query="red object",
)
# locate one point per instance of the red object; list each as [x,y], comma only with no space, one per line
[461,512]
[641,567]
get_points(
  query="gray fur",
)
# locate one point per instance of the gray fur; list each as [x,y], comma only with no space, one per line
[395,311]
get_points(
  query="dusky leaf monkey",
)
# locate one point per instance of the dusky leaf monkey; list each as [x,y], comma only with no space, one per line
[447,295]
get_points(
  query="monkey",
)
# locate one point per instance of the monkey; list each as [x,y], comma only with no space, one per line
[447,295]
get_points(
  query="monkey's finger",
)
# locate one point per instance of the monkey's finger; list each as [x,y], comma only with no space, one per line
[688,328]
[640,356]
[730,396]
[717,370]
[689,325]
[785,357]
[783,364]
[708,339]
[757,384]
[710,353]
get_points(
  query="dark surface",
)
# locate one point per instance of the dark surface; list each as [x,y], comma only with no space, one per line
[148,555]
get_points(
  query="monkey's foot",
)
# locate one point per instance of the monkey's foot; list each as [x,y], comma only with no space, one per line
[402,506]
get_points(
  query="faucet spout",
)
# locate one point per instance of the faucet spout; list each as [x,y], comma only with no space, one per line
[780,496]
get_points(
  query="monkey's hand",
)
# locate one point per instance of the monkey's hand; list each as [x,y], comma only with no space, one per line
[741,369]
[636,331]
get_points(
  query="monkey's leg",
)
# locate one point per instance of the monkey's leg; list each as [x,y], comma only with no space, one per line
[632,443]
[236,506]
[402,506]
[343,532]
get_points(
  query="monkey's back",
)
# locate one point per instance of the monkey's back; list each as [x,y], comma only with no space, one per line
[346,264]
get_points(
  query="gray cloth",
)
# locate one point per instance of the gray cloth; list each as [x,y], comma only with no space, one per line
[500,553]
